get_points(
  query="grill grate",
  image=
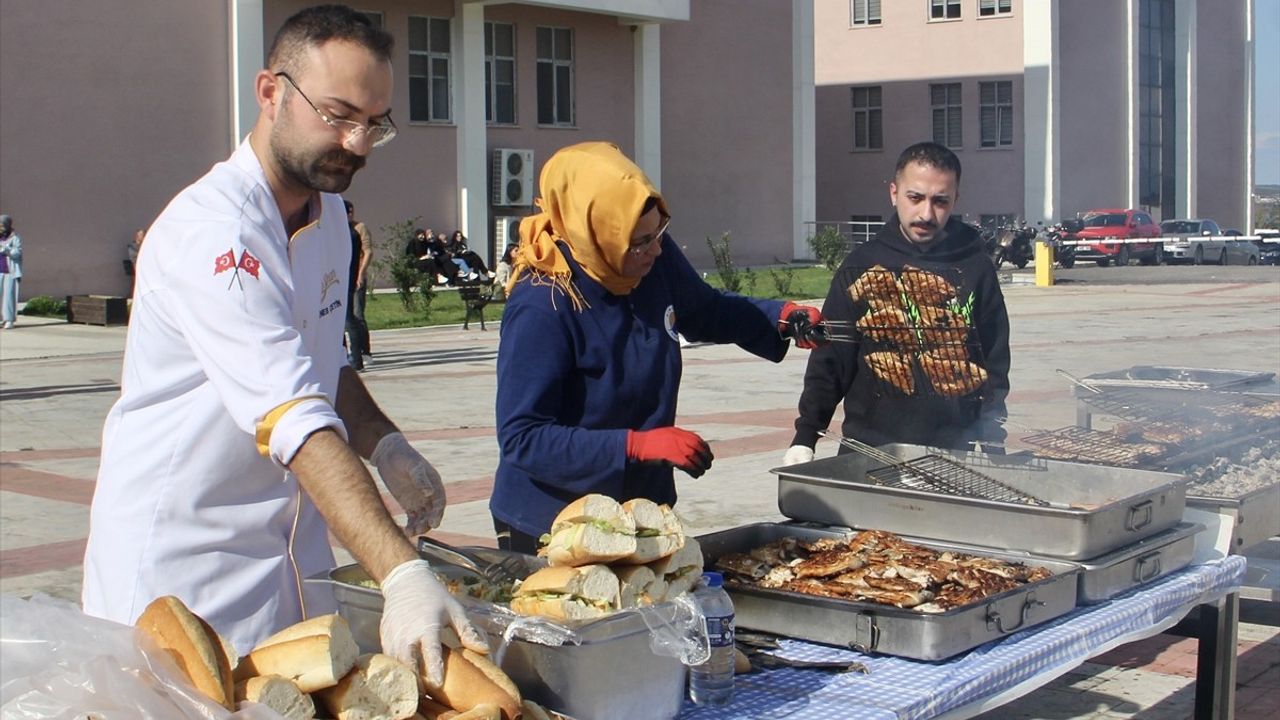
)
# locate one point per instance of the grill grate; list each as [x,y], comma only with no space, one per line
[1182,408]
[935,473]
[1093,446]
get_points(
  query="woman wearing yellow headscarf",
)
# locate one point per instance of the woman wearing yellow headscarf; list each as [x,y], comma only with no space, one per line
[589,359]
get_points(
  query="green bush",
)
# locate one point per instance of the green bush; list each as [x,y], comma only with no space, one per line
[45,306]
[731,278]
[783,278]
[392,261]
[829,247]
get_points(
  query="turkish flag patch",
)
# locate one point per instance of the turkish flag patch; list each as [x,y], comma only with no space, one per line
[224,262]
[249,264]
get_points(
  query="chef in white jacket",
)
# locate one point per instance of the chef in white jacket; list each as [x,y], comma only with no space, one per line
[235,445]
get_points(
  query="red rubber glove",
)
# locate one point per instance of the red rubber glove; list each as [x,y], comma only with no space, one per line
[672,446]
[802,324]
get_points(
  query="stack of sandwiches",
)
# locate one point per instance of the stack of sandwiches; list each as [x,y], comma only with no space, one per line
[607,556]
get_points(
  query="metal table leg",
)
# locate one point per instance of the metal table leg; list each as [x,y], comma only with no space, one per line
[1216,659]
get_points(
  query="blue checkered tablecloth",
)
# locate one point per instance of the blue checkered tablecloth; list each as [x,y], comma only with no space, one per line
[902,689]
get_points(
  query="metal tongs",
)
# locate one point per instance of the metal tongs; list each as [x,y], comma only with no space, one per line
[754,645]
[837,331]
[801,328]
[506,570]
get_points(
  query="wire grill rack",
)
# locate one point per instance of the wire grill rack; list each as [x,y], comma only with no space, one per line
[938,474]
[1094,446]
[1184,407]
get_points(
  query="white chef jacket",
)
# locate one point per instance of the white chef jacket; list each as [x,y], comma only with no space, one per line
[232,359]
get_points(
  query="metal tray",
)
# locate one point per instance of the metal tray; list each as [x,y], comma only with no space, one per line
[1105,577]
[876,628]
[1095,509]
[1178,378]
[1254,516]
[581,681]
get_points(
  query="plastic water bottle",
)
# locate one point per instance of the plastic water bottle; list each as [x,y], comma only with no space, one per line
[711,683]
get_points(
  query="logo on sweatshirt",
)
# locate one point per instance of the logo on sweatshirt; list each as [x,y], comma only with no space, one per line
[669,320]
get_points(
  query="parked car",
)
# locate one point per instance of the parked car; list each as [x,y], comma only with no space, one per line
[1186,247]
[1118,224]
[1241,252]
[1269,248]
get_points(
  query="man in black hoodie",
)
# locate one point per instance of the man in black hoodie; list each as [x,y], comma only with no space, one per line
[914,404]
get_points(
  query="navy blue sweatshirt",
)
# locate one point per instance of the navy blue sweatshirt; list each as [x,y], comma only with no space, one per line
[571,384]
[838,372]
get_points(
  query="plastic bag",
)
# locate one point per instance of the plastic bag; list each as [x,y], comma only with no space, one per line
[56,663]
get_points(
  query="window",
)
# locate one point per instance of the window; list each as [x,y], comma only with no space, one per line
[429,76]
[945,101]
[996,113]
[987,8]
[864,12]
[500,73]
[555,76]
[867,124]
[373,17]
[1157,107]
[944,9]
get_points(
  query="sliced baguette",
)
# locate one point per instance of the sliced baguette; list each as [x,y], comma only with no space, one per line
[650,518]
[466,686]
[314,654]
[680,570]
[379,687]
[639,587]
[193,645]
[279,694]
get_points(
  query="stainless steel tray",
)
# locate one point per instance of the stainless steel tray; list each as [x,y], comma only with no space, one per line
[585,681]
[1095,510]
[1178,378]
[1254,516]
[1137,564]
[876,628]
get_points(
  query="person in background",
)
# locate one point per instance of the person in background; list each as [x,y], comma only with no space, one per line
[922,233]
[236,445]
[428,255]
[361,253]
[503,273]
[588,361]
[10,272]
[470,262]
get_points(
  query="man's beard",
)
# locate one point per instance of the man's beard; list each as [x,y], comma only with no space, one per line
[330,171]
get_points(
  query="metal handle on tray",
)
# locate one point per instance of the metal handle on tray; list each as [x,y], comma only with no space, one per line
[1153,559]
[1144,506]
[866,634]
[994,619]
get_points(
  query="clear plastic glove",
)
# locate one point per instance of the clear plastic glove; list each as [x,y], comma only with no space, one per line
[415,608]
[797,454]
[413,482]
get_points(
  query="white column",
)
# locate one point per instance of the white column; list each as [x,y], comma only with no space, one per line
[803,142]
[468,117]
[647,45]
[1185,165]
[1041,170]
[1252,88]
[247,58]
[1131,53]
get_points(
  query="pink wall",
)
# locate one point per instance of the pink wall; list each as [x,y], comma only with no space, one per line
[1222,142]
[109,109]
[726,128]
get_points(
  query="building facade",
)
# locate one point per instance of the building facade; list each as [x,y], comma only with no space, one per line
[1053,107]
[111,107]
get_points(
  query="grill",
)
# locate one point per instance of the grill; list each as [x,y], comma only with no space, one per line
[1093,446]
[935,473]
[1182,407]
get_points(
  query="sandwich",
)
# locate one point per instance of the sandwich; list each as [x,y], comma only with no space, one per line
[592,529]
[473,684]
[658,531]
[568,593]
[639,586]
[681,569]
[194,646]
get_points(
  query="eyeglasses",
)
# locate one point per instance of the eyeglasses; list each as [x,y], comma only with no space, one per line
[643,243]
[379,134]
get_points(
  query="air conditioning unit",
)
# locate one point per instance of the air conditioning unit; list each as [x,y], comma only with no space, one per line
[512,178]
[506,230]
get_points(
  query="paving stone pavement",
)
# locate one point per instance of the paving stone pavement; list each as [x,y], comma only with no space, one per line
[57,382]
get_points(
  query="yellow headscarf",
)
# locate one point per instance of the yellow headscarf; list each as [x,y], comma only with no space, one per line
[592,196]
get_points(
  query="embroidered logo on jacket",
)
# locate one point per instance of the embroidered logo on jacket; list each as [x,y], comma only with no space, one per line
[669,321]
[330,279]
[227,261]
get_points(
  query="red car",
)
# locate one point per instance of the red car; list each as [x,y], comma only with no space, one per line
[1118,224]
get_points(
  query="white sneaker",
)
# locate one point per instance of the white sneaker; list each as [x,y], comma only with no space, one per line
[8,325]
[473,275]
[441,279]
[368,360]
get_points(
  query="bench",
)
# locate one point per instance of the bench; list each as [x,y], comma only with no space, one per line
[474,297]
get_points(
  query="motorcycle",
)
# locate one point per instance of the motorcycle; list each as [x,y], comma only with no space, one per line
[1064,255]
[1013,244]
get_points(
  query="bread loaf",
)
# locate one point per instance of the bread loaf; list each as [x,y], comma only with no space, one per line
[379,687]
[658,531]
[279,694]
[193,645]
[314,654]
[467,685]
